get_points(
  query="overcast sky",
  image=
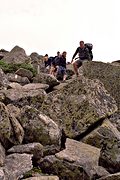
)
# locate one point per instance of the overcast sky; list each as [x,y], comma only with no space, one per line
[46,26]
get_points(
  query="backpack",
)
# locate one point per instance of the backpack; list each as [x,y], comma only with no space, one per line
[90,47]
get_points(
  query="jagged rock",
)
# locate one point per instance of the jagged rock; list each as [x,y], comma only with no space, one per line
[46,79]
[24,73]
[2,175]
[36,86]
[33,148]
[2,155]
[110,148]
[111,177]
[14,85]
[44,178]
[39,128]
[17,55]
[3,80]
[15,78]
[108,74]
[78,106]
[10,129]
[78,160]
[22,97]
[16,165]
[106,130]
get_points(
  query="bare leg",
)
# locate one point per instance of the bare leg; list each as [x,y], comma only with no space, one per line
[64,77]
[75,68]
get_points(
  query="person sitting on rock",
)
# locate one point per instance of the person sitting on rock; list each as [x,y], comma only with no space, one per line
[84,55]
[61,66]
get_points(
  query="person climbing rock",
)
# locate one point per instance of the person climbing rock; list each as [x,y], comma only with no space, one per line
[83,54]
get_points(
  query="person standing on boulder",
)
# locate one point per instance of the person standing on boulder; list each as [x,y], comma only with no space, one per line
[84,55]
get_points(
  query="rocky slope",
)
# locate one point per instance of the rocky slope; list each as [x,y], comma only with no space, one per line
[51,130]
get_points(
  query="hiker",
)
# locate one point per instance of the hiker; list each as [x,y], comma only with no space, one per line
[61,66]
[84,55]
[47,61]
[53,64]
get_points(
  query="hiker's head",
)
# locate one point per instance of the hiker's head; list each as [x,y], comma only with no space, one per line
[64,54]
[46,57]
[58,54]
[82,45]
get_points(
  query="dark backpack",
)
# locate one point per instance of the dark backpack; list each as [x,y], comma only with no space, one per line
[90,47]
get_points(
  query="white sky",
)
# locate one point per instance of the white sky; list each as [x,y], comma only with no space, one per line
[46,26]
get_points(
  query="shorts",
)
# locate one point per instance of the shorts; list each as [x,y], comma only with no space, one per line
[61,71]
[80,62]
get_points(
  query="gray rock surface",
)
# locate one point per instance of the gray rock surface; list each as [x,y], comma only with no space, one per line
[10,129]
[33,148]
[22,97]
[111,177]
[3,80]
[16,78]
[16,165]
[46,79]
[17,55]
[39,128]
[79,160]
[36,86]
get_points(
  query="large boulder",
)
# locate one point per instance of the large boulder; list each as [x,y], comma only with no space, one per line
[33,148]
[3,80]
[46,79]
[115,119]
[39,128]
[106,131]
[22,97]
[16,165]
[16,56]
[2,155]
[108,74]
[78,160]
[11,132]
[79,105]
[16,78]
[24,73]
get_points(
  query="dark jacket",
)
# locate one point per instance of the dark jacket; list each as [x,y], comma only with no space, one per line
[83,53]
[61,61]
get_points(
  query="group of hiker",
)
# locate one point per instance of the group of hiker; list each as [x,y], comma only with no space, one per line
[56,66]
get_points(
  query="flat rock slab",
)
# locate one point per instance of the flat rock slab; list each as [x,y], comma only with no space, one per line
[35,86]
[44,178]
[32,148]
